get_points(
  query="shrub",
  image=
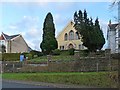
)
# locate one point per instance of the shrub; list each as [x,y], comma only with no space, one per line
[71,51]
[11,56]
[29,55]
[34,52]
[56,52]
[84,53]
[64,52]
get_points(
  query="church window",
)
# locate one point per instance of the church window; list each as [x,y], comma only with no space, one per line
[71,35]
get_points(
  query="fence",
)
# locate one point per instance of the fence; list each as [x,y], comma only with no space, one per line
[9,66]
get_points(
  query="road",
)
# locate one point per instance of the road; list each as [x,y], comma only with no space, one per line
[37,85]
[9,84]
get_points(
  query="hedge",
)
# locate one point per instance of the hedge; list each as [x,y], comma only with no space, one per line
[14,56]
[11,56]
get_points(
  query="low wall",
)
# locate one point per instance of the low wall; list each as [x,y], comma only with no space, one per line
[81,65]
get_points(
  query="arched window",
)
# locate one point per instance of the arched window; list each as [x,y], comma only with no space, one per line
[71,35]
[66,37]
[76,36]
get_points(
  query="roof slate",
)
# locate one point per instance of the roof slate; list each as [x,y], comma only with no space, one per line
[113,26]
[10,37]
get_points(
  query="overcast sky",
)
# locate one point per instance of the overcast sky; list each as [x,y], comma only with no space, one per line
[26,18]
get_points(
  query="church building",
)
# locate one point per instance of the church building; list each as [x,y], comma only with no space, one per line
[69,37]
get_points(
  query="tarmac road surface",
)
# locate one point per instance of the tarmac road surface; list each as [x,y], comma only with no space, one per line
[9,84]
[25,84]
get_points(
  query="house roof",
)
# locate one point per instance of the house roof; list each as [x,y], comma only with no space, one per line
[1,37]
[112,26]
[9,37]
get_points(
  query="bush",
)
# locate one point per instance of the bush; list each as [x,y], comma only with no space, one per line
[11,56]
[56,52]
[71,51]
[84,53]
[29,55]
[34,53]
[64,52]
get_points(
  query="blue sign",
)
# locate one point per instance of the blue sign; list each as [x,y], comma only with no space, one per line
[21,58]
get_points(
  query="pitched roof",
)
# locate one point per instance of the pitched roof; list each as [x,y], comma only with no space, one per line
[1,37]
[112,26]
[9,37]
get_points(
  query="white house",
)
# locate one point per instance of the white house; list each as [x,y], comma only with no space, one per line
[113,37]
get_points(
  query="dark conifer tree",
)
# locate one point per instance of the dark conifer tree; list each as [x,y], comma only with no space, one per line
[49,42]
[92,35]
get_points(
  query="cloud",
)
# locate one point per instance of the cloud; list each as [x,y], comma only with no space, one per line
[28,22]
[43,4]
[12,27]
[29,28]
[34,32]
[56,1]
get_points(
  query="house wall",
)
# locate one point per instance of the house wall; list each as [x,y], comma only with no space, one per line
[118,39]
[17,45]
[77,44]
[111,40]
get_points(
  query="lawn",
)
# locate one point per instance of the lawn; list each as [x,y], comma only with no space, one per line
[54,58]
[96,79]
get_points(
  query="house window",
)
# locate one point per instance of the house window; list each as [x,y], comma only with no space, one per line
[61,47]
[119,46]
[0,43]
[81,47]
[65,37]
[119,33]
[71,35]
[76,36]
[3,42]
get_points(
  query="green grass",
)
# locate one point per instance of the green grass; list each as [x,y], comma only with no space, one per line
[95,79]
[54,58]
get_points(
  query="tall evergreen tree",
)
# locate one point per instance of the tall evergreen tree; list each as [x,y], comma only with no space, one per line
[92,35]
[100,34]
[49,42]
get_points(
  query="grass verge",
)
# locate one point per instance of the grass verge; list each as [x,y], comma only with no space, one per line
[96,79]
